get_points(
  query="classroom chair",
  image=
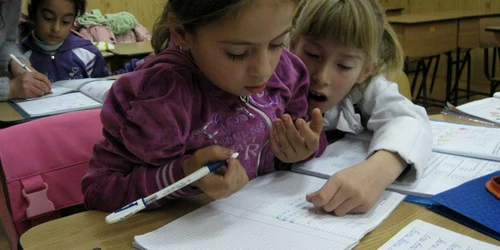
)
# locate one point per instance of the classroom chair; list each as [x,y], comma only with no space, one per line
[403,83]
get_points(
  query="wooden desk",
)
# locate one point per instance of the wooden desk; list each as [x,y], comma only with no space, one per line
[495,30]
[107,54]
[471,28]
[133,49]
[8,114]
[124,52]
[88,230]
[417,32]
[394,11]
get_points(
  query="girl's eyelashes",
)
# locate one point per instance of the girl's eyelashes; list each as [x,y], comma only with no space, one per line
[239,57]
[234,57]
[344,67]
[277,46]
[311,54]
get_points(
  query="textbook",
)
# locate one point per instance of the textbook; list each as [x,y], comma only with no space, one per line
[486,111]
[67,96]
[460,153]
[422,235]
[270,212]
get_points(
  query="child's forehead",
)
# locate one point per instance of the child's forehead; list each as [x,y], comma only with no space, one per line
[61,7]
[258,22]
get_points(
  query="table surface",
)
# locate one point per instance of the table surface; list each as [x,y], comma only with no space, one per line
[493,29]
[133,49]
[440,16]
[87,230]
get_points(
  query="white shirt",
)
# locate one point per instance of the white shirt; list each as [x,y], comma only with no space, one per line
[398,125]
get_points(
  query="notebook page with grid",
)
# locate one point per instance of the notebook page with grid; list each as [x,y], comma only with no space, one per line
[423,235]
[269,213]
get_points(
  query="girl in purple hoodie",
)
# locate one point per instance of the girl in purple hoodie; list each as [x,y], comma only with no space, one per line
[52,50]
[221,82]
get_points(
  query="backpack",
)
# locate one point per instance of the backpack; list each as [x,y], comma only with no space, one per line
[42,163]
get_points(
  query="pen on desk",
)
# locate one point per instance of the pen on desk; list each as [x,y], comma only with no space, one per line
[20,63]
[140,204]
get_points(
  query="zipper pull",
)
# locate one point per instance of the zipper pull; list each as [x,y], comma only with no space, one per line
[244,99]
[53,56]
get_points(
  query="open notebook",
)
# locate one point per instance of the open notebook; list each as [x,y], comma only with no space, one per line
[270,212]
[67,96]
[423,235]
[460,153]
[486,110]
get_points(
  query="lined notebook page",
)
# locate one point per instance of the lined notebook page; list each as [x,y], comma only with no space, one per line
[443,172]
[466,140]
[487,108]
[269,213]
[58,104]
[423,235]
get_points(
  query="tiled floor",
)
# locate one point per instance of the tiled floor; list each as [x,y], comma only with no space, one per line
[438,93]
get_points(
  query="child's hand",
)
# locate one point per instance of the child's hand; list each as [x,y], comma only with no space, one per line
[29,84]
[356,189]
[219,184]
[293,143]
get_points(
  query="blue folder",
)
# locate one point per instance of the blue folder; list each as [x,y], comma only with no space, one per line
[472,205]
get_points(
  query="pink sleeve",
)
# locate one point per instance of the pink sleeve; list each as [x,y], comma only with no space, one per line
[143,146]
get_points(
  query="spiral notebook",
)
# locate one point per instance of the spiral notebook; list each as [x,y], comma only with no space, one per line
[270,212]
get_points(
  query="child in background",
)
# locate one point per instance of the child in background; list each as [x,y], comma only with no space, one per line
[52,50]
[220,82]
[348,46]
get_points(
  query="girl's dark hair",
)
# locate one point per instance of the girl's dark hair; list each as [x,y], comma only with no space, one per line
[2,23]
[34,4]
[193,14]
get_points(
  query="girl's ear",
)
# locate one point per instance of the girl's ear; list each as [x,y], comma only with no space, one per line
[365,73]
[179,34]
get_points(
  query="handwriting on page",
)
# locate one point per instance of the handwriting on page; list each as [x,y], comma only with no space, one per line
[422,235]
[472,141]
[287,202]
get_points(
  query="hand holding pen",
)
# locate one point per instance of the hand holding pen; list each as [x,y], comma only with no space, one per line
[201,156]
[26,83]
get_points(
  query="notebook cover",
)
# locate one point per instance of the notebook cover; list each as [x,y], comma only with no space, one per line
[422,201]
[472,205]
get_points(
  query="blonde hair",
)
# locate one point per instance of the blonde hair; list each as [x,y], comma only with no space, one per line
[353,23]
[193,14]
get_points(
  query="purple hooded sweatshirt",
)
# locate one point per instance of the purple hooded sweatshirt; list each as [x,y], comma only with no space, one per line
[156,117]
[77,58]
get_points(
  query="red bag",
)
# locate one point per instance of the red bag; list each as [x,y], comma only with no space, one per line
[43,162]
